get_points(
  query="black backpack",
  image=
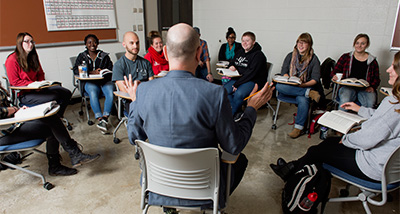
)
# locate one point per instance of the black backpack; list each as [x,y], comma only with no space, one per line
[311,178]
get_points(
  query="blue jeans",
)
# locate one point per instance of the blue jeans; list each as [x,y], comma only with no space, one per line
[352,94]
[95,91]
[236,98]
[202,72]
[302,101]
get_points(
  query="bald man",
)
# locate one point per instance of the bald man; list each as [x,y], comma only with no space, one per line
[182,111]
[131,62]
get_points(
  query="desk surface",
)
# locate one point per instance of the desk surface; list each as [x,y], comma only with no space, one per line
[349,84]
[122,95]
[88,78]
[27,87]
[13,120]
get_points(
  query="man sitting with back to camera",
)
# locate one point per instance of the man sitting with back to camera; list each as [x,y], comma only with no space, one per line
[192,113]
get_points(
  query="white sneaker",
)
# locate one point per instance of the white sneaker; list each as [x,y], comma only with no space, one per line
[102,125]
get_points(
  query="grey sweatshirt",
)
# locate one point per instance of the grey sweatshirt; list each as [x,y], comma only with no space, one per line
[378,137]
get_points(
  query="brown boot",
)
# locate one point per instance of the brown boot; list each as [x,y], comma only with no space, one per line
[295,133]
[314,95]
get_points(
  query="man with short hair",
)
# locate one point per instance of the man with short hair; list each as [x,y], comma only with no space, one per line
[182,111]
[131,63]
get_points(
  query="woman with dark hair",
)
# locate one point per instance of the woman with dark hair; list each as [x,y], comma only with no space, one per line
[50,128]
[96,60]
[363,153]
[302,63]
[358,64]
[23,67]
[155,53]
[228,50]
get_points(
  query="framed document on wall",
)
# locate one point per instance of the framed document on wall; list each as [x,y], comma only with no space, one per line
[395,45]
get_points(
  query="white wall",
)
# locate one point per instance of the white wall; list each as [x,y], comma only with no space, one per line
[277,24]
[55,60]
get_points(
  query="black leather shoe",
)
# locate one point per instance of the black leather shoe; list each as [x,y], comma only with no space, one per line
[281,162]
[284,171]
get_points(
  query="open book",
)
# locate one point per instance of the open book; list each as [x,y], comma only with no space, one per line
[340,121]
[101,74]
[284,79]
[42,83]
[223,64]
[228,72]
[355,81]
[386,91]
[35,111]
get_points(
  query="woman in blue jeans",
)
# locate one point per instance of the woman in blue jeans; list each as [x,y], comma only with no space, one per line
[96,60]
[251,64]
[302,63]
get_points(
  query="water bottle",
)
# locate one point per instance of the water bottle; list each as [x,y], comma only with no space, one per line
[84,69]
[308,201]
[323,134]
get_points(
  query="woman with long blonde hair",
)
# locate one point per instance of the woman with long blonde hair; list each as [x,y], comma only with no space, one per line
[304,64]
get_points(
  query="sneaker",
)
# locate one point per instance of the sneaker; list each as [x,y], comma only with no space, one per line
[314,95]
[238,116]
[102,125]
[295,133]
[81,158]
[170,211]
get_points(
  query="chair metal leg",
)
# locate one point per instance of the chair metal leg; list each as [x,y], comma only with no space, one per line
[276,114]
[46,185]
[123,121]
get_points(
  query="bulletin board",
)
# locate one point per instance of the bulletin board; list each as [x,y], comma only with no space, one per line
[28,16]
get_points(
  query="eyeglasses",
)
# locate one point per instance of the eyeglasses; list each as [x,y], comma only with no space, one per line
[301,43]
[27,41]
[231,37]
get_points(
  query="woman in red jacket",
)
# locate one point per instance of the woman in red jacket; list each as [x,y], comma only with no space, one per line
[23,67]
[155,54]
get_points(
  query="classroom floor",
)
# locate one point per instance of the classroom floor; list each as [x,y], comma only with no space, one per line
[111,184]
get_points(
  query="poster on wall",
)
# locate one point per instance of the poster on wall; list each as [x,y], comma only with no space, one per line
[64,15]
[395,46]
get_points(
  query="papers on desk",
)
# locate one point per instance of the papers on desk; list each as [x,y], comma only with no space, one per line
[223,64]
[386,91]
[340,121]
[39,84]
[35,111]
[228,72]
[101,74]
[162,73]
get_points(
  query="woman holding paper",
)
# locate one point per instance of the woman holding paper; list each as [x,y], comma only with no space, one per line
[97,60]
[302,63]
[155,53]
[23,67]
[50,128]
[358,64]
[362,153]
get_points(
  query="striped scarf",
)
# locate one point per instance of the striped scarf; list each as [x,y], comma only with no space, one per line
[297,68]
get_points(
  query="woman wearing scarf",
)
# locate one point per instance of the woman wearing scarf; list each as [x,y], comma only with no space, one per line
[302,63]
[228,50]
[155,54]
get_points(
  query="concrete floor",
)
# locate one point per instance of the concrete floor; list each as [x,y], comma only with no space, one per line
[111,184]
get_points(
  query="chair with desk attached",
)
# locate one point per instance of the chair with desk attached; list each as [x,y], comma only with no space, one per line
[390,181]
[24,146]
[85,96]
[182,173]
[121,113]
[119,55]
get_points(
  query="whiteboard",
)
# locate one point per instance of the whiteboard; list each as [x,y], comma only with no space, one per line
[62,15]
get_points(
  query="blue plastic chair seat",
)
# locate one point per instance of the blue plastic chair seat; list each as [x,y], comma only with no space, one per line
[376,186]
[22,145]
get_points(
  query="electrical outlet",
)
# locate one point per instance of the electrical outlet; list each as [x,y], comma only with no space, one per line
[140,27]
[134,28]
[135,10]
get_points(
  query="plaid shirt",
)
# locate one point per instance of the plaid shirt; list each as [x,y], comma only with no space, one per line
[343,65]
[4,103]
[204,51]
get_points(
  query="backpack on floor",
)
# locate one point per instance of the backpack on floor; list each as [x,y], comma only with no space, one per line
[310,179]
